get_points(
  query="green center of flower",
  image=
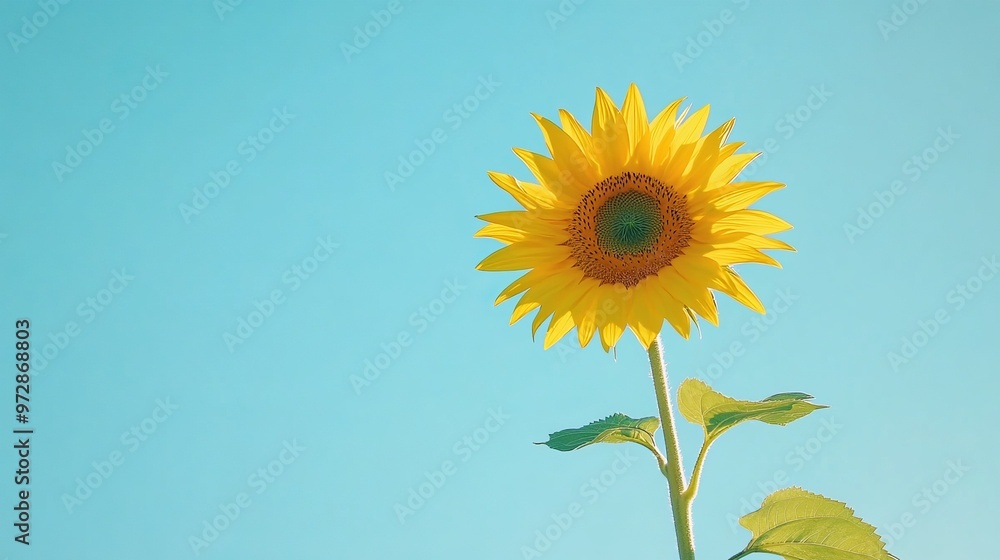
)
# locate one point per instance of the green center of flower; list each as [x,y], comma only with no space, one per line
[629,223]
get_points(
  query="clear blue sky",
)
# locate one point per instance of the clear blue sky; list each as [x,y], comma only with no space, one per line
[198,223]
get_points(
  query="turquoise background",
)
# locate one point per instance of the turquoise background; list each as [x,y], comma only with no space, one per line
[199,79]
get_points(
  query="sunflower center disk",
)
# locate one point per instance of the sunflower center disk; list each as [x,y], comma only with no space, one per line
[629,223]
[628,227]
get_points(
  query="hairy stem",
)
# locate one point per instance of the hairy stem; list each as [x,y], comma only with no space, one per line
[674,471]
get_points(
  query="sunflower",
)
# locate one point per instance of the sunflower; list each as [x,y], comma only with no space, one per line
[630,224]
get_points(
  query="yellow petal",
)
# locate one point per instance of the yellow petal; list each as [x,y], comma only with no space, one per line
[734,196]
[558,327]
[610,135]
[693,296]
[662,132]
[584,312]
[671,309]
[567,154]
[520,257]
[522,308]
[763,242]
[634,112]
[527,195]
[733,285]
[513,218]
[575,130]
[531,278]
[697,269]
[538,320]
[672,170]
[646,320]
[563,187]
[505,234]
[559,306]
[729,168]
[707,155]
[690,130]
[616,307]
[732,253]
[507,224]
[544,290]
[742,221]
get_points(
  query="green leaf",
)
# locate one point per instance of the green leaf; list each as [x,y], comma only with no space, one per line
[800,525]
[616,428]
[715,412]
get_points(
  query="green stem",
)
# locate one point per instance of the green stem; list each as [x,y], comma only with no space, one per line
[692,489]
[674,471]
[741,555]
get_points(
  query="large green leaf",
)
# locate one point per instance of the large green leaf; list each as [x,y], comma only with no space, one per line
[616,428]
[800,525]
[702,405]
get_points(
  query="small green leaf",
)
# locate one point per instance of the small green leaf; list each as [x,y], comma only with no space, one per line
[716,412]
[792,396]
[616,428]
[800,525]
